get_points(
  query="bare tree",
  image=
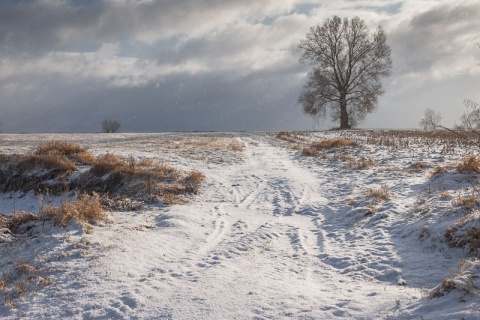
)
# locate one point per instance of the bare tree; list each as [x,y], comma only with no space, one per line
[431,120]
[471,118]
[110,126]
[348,63]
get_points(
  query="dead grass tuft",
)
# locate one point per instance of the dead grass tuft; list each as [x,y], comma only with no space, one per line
[32,162]
[288,136]
[366,163]
[332,143]
[417,166]
[316,148]
[378,194]
[106,163]
[465,233]
[19,218]
[470,164]
[169,199]
[72,151]
[467,202]
[24,268]
[437,171]
[310,152]
[462,278]
[118,167]
[193,181]
[50,169]
[86,209]
[237,147]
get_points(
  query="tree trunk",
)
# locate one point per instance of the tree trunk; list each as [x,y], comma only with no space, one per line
[343,114]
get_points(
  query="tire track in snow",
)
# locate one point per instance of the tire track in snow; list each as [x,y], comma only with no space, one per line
[267,247]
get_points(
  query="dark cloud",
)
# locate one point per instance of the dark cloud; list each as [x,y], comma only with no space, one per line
[213,65]
[182,102]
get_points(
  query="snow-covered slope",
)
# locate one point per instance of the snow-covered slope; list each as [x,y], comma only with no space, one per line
[273,235]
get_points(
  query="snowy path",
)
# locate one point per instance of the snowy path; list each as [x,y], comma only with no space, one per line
[267,239]
[255,245]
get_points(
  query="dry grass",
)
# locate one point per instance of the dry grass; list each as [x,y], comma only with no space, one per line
[462,278]
[366,163]
[86,209]
[119,167]
[169,199]
[24,268]
[72,151]
[18,280]
[444,195]
[316,149]
[332,143]
[465,233]
[417,166]
[310,152]
[49,170]
[442,140]
[53,155]
[18,218]
[378,194]
[437,171]
[32,162]
[288,136]
[467,201]
[192,182]
[470,164]
[237,147]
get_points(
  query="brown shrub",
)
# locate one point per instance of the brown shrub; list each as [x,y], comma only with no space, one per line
[31,162]
[169,199]
[193,181]
[332,143]
[470,163]
[86,209]
[144,169]
[69,150]
[106,163]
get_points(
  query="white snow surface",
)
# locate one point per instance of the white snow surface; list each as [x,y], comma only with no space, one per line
[273,235]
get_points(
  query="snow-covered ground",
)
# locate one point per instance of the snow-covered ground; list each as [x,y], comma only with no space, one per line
[273,235]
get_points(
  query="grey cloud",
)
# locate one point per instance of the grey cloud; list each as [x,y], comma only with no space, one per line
[249,76]
[442,32]
[36,26]
[260,101]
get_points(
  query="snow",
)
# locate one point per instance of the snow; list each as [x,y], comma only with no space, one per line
[273,235]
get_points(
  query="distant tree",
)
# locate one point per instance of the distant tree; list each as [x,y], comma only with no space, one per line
[348,63]
[431,120]
[471,118]
[110,126]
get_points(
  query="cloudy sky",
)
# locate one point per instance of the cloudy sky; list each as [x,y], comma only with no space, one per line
[181,65]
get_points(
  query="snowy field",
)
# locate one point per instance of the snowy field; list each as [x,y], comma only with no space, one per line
[372,230]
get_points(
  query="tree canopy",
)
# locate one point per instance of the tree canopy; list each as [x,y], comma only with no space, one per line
[348,63]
